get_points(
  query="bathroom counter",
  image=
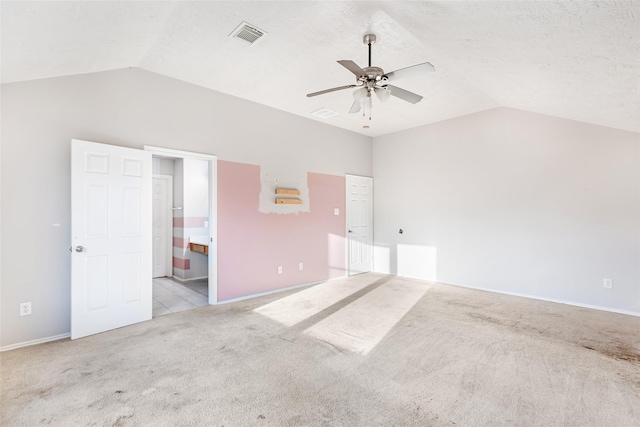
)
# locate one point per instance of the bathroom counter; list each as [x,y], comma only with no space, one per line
[199,244]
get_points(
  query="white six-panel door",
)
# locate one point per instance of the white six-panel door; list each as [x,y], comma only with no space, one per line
[111,283]
[360,223]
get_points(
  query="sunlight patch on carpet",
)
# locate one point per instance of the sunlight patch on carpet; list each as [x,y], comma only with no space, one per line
[361,325]
[304,304]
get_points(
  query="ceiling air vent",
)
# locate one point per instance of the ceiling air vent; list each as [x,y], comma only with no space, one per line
[324,113]
[248,33]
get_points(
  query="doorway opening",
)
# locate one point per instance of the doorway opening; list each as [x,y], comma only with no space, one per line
[184,230]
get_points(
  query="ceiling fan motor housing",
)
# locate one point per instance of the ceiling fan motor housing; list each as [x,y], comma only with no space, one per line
[373,73]
[373,78]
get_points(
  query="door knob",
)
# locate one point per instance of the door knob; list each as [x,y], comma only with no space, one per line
[350,231]
[79,248]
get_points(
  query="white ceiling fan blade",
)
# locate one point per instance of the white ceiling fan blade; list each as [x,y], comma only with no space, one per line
[411,97]
[330,90]
[352,66]
[355,107]
[383,93]
[414,70]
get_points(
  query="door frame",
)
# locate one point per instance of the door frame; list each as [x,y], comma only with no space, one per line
[213,208]
[346,224]
[169,247]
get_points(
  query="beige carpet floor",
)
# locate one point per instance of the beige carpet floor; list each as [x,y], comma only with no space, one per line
[371,350]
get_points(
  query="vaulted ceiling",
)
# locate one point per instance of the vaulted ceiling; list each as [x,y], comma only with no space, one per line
[577,60]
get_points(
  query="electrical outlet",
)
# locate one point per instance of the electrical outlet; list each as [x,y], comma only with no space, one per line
[300,266]
[607,283]
[25,309]
[336,211]
[279,269]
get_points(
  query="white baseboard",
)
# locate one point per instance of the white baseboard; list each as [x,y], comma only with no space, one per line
[575,304]
[34,342]
[188,280]
[274,291]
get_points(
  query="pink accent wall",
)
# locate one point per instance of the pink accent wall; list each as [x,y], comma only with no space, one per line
[189,221]
[252,245]
[179,242]
[181,263]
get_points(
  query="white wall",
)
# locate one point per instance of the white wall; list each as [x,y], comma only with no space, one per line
[132,108]
[196,187]
[178,187]
[196,204]
[162,166]
[513,202]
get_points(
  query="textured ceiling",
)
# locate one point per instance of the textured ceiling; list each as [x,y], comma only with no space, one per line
[576,60]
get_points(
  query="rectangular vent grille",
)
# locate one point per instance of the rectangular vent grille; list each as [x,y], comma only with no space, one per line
[247,33]
[324,113]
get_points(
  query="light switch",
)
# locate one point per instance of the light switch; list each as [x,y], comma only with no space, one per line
[206,224]
[336,211]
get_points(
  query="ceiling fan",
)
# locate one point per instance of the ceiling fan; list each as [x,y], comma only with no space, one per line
[373,79]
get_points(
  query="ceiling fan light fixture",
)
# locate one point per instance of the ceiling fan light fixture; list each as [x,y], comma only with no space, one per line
[383,94]
[360,94]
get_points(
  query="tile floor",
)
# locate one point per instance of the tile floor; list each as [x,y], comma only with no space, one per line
[171,296]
